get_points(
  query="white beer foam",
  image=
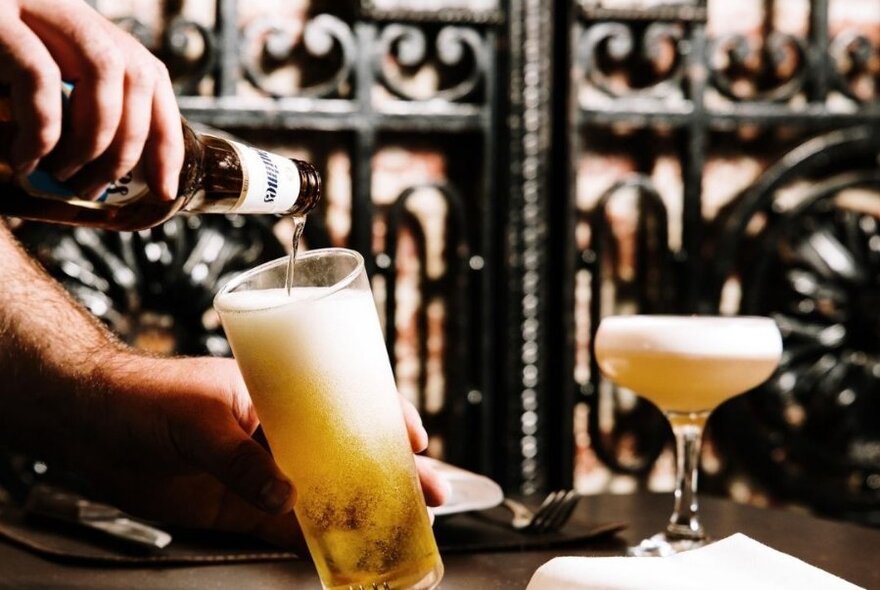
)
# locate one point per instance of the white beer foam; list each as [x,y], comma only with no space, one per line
[740,337]
[241,301]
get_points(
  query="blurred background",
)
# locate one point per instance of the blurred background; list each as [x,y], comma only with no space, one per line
[514,170]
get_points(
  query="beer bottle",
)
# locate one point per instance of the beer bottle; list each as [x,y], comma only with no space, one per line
[219,175]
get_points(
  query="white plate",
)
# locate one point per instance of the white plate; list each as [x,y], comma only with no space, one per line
[470,491]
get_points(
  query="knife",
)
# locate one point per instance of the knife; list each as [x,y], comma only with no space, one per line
[60,505]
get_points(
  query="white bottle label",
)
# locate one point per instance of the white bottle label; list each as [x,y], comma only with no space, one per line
[270,183]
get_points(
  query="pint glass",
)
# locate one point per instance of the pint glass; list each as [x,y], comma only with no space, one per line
[316,367]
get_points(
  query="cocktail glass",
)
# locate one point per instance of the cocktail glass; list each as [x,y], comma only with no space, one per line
[687,366]
[317,369]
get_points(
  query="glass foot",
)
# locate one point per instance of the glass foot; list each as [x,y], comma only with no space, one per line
[662,545]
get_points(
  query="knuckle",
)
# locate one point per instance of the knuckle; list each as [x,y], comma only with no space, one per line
[106,61]
[161,70]
[140,77]
[163,76]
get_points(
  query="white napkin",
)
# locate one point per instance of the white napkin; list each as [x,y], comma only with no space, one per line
[736,562]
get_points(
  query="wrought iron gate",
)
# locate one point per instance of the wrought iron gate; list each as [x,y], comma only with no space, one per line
[664,78]
[494,339]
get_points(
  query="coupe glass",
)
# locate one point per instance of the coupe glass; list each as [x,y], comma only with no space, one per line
[687,366]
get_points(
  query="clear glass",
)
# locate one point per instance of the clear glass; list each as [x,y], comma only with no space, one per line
[687,366]
[316,367]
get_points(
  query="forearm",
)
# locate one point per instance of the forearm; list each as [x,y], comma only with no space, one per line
[50,352]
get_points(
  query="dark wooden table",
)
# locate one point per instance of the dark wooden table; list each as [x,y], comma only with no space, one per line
[850,551]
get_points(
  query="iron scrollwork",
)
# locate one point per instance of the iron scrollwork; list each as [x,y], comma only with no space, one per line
[851,55]
[412,11]
[455,254]
[814,425]
[267,45]
[451,286]
[641,422]
[810,433]
[617,43]
[154,288]
[188,48]
[745,69]
[406,46]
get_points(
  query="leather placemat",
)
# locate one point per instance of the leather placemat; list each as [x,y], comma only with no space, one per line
[72,544]
[485,531]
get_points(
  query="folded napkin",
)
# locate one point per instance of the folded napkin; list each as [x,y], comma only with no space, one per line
[733,563]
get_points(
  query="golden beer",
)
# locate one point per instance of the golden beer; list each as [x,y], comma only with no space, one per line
[317,369]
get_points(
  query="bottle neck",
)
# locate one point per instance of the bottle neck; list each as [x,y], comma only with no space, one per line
[238,178]
[193,171]
[309,188]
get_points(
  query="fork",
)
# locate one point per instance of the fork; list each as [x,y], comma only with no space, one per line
[551,516]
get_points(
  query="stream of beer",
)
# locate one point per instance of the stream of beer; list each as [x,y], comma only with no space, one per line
[299,224]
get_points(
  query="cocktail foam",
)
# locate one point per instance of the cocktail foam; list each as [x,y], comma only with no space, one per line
[726,337]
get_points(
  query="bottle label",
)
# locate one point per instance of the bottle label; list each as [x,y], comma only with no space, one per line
[43,185]
[270,183]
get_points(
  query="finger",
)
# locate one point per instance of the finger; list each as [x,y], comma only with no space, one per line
[164,151]
[35,94]
[198,501]
[227,379]
[125,151]
[222,377]
[95,112]
[86,47]
[434,487]
[219,446]
[418,436]
[227,511]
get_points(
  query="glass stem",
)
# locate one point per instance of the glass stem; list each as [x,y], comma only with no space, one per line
[685,520]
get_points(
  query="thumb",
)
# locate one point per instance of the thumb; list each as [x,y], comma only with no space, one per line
[218,445]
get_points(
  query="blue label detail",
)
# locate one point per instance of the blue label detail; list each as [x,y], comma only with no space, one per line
[46,183]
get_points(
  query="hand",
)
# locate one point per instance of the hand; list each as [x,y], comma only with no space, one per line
[163,438]
[172,442]
[122,106]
